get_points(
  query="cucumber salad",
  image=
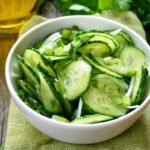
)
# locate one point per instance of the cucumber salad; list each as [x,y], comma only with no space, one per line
[83,76]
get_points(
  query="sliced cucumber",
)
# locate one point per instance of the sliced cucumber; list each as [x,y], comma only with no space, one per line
[34,58]
[76,78]
[122,42]
[111,61]
[89,119]
[30,74]
[106,38]
[62,50]
[96,49]
[94,63]
[117,68]
[69,33]
[59,118]
[96,37]
[127,37]
[133,58]
[47,96]
[99,96]
[55,58]
[139,85]
[28,88]
[122,70]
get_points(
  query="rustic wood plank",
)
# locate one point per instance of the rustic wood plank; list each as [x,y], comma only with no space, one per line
[5,45]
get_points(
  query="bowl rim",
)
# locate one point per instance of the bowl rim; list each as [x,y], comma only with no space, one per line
[33,113]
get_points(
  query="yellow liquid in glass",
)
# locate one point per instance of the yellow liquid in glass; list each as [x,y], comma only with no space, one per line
[13,13]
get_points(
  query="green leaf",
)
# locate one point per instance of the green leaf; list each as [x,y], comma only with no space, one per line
[124,4]
[77,7]
[104,4]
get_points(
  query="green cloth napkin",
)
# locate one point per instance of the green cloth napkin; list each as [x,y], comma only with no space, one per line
[22,136]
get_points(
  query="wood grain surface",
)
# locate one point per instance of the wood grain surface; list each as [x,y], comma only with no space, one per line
[5,45]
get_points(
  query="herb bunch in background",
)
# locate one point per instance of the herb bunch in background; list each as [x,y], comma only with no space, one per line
[142,9]
[71,7]
[86,7]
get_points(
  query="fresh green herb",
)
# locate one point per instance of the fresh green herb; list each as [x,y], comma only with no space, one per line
[86,7]
[142,9]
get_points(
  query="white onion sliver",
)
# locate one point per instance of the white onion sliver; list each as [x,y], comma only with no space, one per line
[129,92]
[79,111]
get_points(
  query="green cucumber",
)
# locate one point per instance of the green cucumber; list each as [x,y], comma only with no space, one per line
[28,88]
[106,38]
[96,49]
[55,58]
[34,58]
[127,37]
[139,85]
[133,58]
[89,119]
[69,33]
[75,79]
[59,118]
[47,96]
[98,66]
[99,96]
[96,37]
[122,42]
[30,74]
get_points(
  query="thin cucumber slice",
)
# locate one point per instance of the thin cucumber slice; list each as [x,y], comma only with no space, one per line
[69,33]
[96,37]
[117,68]
[89,119]
[133,58]
[62,50]
[29,72]
[97,49]
[127,37]
[139,85]
[59,118]
[122,42]
[55,58]
[34,58]
[101,68]
[99,96]
[76,78]
[66,105]
[106,38]
[47,96]
[38,107]
[111,61]
[28,88]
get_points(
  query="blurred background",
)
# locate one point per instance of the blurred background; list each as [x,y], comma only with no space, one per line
[87,7]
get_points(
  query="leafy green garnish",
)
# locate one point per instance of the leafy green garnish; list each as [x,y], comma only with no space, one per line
[85,7]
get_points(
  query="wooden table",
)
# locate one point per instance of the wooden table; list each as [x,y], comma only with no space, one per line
[5,45]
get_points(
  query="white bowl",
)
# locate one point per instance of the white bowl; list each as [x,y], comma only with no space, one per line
[73,133]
